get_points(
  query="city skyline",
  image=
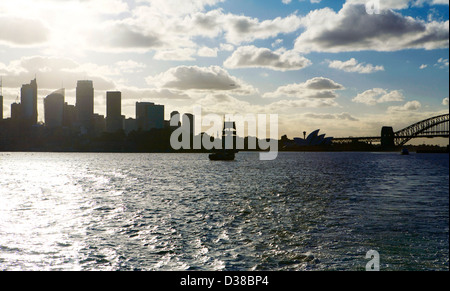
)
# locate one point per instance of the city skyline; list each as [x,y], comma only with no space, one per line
[292,58]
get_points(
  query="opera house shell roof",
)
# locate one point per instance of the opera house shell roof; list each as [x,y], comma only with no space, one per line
[314,139]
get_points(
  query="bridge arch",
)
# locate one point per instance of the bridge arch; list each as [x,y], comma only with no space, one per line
[437,126]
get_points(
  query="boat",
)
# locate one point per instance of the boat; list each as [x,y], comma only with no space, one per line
[405,152]
[226,154]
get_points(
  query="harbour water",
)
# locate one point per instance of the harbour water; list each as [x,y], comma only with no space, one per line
[151,212]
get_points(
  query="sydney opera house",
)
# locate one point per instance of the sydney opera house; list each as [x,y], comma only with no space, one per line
[314,139]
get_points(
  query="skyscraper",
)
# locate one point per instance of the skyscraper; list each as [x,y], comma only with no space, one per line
[85,104]
[1,107]
[28,100]
[1,99]
[16,112]
[54,109]
[176,118]
[191,119]
[149,116]
[114,119]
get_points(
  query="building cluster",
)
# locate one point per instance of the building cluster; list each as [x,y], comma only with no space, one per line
[81,116]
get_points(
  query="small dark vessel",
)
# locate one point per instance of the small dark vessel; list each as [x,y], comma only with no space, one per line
[229,130]
[405,152]
[223,156]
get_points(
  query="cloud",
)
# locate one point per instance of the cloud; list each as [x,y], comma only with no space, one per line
[410,106]
[18,31]
[445,102]
[353,66]
[178,54]
[304,103]
[207,52]
[134,93]
[316,88]
[52,72]
[341,116]
[352,29]
[401,4]
[253,57]
[241,29]
[442,63]
[196,78]
[223,103]
[378,95]
[177,8]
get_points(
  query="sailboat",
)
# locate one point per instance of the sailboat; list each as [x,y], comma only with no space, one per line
[224,154]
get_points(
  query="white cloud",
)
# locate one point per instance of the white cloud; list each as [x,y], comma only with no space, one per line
[378,95]
[178,54]
[442,63]
[283,105]
[17,31]
[353,66]
[253,57]
[177,8]
[401,4]
[239,28]
[423,66]
[352,29]
[52,71]
[341,116]
[445,102]
[410,106]
[316,88]
[196,78]
[207,52]
[134,93]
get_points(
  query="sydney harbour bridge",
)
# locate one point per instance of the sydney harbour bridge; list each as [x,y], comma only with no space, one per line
[437,126]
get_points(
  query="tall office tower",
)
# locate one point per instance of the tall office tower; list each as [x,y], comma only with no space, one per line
[149,116]
[99,124]
[114,119]
[69,115]
[191,119]
[1,107]
[85,104]
[176,117]
[16,111]
[1,99]
[28,100]
[156,116]
[54,109]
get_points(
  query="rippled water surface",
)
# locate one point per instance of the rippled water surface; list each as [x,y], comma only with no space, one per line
[304,211]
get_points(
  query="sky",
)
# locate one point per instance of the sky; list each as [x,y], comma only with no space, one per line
[335,65]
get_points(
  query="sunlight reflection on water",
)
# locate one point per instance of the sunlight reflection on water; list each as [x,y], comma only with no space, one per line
[304,211]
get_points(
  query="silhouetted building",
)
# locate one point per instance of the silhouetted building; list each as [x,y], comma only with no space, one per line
[16,111]
[175,115]
[54,109]
[85,105]
[191,119]
[28,99]
[149,116]
[114,118]
[99,124]
[313,140]
[129,125]
[69,115]
[1,107]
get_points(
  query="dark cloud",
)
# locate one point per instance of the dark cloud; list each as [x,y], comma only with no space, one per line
[352,29]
